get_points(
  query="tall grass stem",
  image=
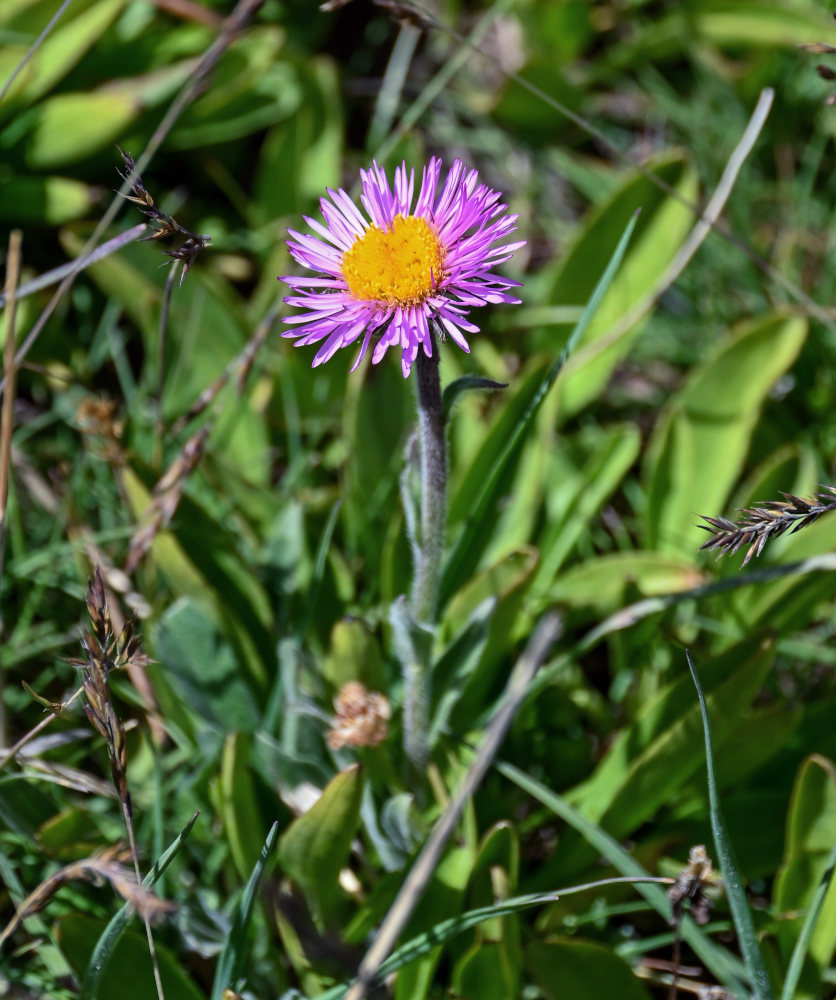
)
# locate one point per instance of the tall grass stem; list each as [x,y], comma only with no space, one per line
[741,914]
[7,424]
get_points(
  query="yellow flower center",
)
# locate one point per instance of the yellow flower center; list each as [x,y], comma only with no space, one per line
[401,265]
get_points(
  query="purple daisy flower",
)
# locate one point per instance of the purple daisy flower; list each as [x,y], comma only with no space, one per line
[389,277]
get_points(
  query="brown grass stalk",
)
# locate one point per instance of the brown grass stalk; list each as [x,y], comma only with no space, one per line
[166,497]
[7,424]
[98,868]
[106,652]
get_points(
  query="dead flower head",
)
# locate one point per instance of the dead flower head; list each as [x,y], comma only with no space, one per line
[96,418]
[361,718]
[692,882]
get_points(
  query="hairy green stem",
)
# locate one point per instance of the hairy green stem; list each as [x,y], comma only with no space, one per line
[416,715]
[414,629]
[433,487]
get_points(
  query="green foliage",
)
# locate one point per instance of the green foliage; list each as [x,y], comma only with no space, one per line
[260,538]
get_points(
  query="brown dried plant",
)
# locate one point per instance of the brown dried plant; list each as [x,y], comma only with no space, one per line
[97,419]
[163,226]
[105,652]
[101,867]
[691,885]
[768,520]
[167,495]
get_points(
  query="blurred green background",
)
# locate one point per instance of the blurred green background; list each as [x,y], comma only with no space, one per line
[270,585]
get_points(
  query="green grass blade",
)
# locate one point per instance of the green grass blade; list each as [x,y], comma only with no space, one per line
[803,942]
[466,550]
[741,914]
[114,930]
[723,965]
[235,949]
[319,566]
[424,943]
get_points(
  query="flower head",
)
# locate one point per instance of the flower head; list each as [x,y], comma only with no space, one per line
[388,278]
[361,718]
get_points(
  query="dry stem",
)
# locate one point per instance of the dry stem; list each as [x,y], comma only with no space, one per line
[105,652]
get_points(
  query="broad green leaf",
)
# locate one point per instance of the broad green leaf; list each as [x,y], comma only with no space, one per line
[491,967]
[238,806]
[14,11]
[305,968]
[24,807]
[734,24]
[582,473]
[354,654]
[300,158]
[443,898]
[252,88]
[378,414]
[701,440]
[505,586]
[601,582]
[485,443]
[678,752]
[67,44]
[54,200]
[456,665]
[316,845]
[758,737]
[129,963]
[70,832]
[763,22]
[582,970]
[536,121]
[203,669]
[501,456]
[810,837]
[662,226]
[488,971]
[726,857]
[231,961]
[662,748]
[70,127]
[111,935]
